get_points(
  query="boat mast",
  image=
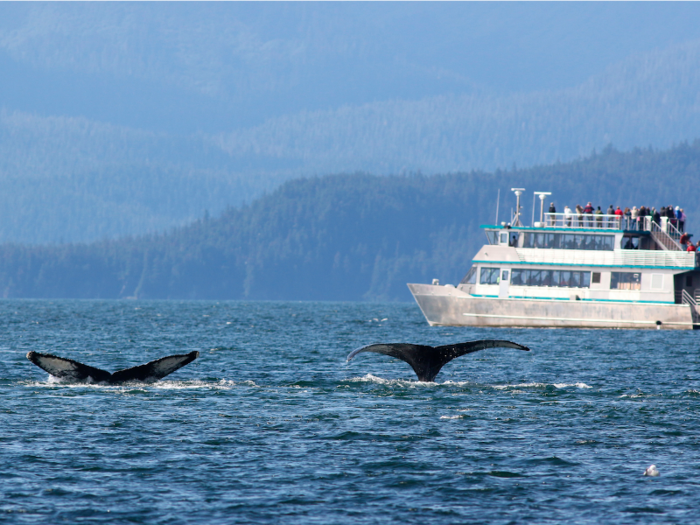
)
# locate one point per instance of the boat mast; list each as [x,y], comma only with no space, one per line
[498,201]
[516,217]
[542,195]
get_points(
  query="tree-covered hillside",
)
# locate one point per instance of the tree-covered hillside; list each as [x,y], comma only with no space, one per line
[344,237]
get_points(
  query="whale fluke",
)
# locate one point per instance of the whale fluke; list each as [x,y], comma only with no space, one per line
[75,372]
[427,361]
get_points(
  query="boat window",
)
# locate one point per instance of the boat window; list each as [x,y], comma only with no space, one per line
[568,241]
[630,243]
[470,278]
[625,281]
[551,278]
[596,277]
[504,238]
[504,275]
[492,237]
[489,275]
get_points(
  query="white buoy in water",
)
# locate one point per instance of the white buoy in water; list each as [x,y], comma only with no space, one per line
[651,471]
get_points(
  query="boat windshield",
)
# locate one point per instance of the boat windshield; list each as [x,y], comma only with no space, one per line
[470,278]
[492,237]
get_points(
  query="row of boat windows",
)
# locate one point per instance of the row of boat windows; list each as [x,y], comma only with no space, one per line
[568,241]
[558,278]
[554,278]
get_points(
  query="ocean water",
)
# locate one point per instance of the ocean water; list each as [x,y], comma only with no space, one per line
[272,425]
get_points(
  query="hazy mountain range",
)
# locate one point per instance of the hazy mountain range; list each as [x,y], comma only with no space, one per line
[126,118]
[344,237]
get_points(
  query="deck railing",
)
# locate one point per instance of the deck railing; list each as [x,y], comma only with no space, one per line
[668,239]
[586,220]
[607,222]
[646,258]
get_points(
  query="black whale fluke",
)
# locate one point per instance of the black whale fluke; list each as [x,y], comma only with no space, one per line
[427,361]
[72,371]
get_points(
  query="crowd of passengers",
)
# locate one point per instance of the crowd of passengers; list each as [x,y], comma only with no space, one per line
[628,219]
[631,219]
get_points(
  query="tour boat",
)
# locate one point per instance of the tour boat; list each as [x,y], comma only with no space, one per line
[572,270]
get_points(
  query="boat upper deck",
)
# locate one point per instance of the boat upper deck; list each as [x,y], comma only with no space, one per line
[594,240]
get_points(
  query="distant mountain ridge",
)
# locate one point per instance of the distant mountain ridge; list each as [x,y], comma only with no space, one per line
[344,237]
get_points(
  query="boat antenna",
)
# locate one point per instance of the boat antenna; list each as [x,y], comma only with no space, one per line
[516,217]
[498,201]
[542,195]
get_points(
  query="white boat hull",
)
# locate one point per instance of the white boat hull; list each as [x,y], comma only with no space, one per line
[448,306]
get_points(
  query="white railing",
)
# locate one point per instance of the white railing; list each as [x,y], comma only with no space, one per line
[608,222]
[650,258]
[666,238]
[670,229]
[589,221]
[686,298]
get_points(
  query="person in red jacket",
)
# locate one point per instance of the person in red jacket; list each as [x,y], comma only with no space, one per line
[588,212]
[691,248]
[618,217]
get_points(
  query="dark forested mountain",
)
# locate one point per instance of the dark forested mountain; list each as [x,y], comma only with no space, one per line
[344,237]
[129,118]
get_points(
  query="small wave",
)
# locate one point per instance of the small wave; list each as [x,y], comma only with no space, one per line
[543,385]
[224,384]
[369,378]
[451,417]
[459,383]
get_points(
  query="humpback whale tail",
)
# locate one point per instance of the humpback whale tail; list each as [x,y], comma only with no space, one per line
[427,361]
[75,372]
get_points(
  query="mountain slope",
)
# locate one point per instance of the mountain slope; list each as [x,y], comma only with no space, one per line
[346,237]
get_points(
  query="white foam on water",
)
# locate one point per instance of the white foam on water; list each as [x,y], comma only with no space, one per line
[224,384]
[459,383]
[451,417]
[369,378]
[542,385]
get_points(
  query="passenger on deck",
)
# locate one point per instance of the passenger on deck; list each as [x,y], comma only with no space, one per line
[655,216]
[691,248]
[588,211]
[618,218]
[635,215]
[671,216]
[567,216]
[579,216]
[599,218]
[628,218]
[684,239]
[681,222]
[552,218]
[641,217]
[610,213]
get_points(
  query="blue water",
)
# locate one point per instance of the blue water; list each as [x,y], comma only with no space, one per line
[271,425]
